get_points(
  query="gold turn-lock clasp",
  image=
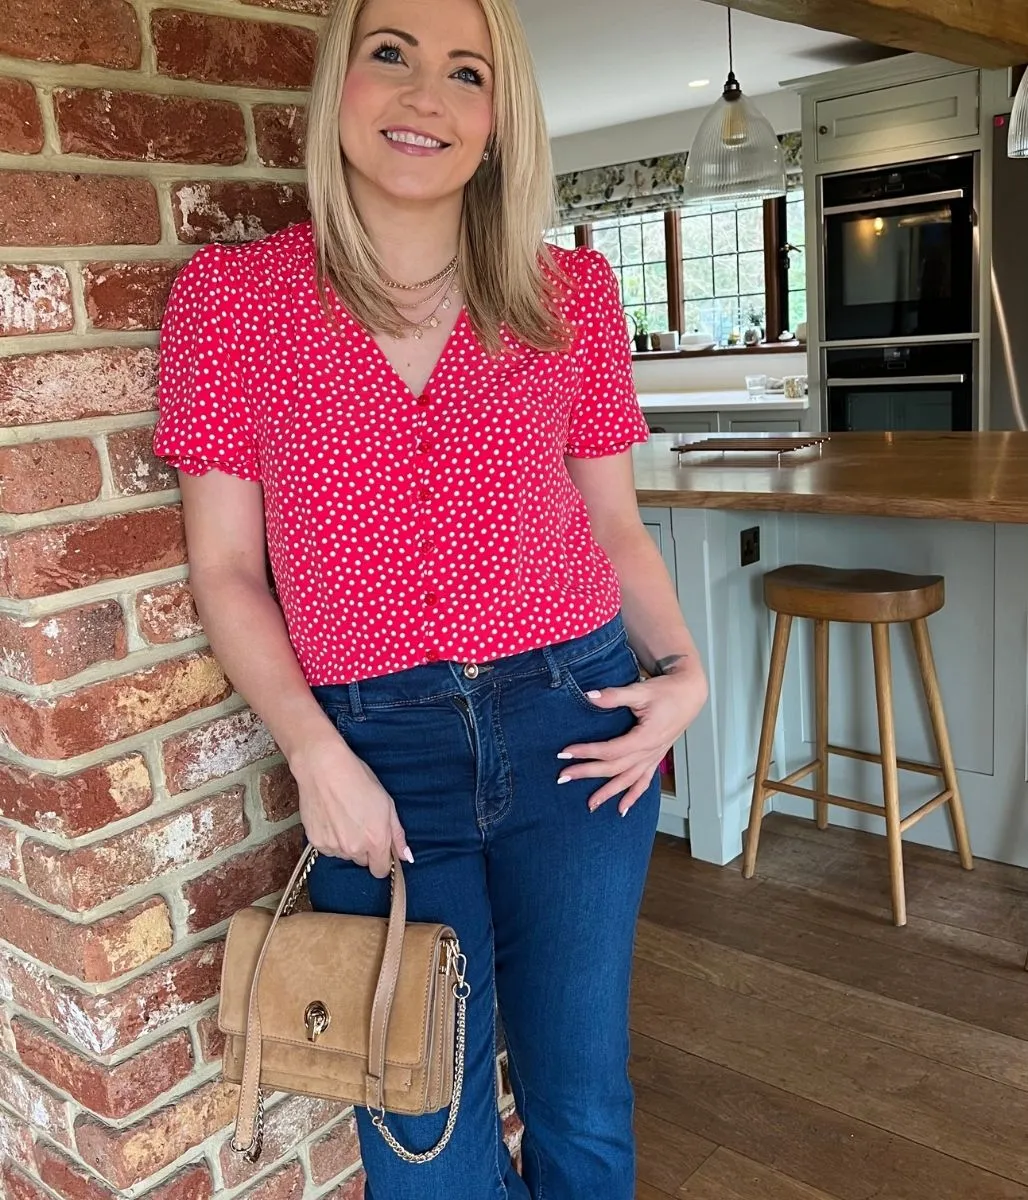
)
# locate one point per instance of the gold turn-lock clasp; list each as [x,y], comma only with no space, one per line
[316,1018]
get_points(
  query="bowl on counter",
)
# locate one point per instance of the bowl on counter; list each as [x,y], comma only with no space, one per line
[695,341]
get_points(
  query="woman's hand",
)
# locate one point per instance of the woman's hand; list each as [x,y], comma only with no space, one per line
[346,812]
[664,706]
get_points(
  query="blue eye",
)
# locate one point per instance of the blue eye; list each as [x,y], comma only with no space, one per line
[470,75]
[388,52]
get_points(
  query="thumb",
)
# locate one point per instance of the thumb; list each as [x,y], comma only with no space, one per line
[613,697]
[400,840]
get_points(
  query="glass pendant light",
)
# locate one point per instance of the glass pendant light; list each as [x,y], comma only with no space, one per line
[736,153]
[1017,133]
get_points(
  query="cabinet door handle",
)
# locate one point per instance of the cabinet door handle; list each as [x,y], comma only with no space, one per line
[892,380]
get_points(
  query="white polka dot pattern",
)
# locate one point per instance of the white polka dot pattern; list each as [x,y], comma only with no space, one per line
[401,529]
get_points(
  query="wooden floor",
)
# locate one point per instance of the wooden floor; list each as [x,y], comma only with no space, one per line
[788,1043]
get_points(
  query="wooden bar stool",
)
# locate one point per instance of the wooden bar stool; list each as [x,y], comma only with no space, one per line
[880,599]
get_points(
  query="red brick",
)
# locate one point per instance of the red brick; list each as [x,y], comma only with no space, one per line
[40,208]
[286,1125]
[135,469]
[351,1189]
[143,127]
[10,861]
[93,952]
[58,558]
[167,613]
[318,8]
[16,1185]
[71,385]
[35,298]
[128,295]
[36,1105]
[16,1141]
[242,880]
[95,716]
[109,1091]
[102,32]
[74,804]
[43,650]
[70,1180]
[37,476]
[212,1040]
[216,749]
[21,124]
[191,45]
[90,875]
[281,130]
[279,796]
[235,211]
[285,1184]
[336,1152]
[127,1156]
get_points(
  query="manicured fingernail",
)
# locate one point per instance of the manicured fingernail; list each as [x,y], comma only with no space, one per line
[564,754]
[407,854]
[594,805]
[593,695]
[563,778]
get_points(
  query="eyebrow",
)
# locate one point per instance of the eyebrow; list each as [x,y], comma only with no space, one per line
[411,40]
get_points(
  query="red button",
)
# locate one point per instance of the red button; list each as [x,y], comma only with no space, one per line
[424,493]
[424,447]
[431,598]
[424,401]
[426,546]
[432,655]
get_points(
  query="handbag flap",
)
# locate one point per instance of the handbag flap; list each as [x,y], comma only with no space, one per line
[333,958]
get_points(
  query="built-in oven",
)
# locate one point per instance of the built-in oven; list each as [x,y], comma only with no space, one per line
[899,250]
[927,386]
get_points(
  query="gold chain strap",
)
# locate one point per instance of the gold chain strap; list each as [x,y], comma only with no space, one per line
[461,990]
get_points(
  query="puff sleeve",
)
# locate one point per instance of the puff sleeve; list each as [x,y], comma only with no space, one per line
[204,416]
[606,417]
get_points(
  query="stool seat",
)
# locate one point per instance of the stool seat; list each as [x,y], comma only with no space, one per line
[835,594]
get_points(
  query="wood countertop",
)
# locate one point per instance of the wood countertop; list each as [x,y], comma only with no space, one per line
[945,476]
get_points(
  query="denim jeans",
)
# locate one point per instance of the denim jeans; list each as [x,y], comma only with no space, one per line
[543,895]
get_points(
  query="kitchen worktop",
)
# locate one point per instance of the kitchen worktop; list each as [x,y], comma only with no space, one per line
[735,401]
[950,476]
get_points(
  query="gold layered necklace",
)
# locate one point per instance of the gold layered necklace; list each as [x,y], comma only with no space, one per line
[445,285]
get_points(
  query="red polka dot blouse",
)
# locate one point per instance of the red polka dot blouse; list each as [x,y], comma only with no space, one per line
[401,529]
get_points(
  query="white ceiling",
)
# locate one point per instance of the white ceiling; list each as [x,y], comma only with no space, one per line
[605,62]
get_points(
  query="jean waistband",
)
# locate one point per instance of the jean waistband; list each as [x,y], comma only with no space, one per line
[451,678]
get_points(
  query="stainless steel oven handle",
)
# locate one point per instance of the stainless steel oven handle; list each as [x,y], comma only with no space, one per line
[892,380]
[894,202]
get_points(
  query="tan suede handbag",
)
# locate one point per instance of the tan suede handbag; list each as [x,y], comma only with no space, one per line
[365,1010]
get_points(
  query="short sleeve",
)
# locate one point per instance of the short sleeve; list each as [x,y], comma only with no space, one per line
[606,418]
[204,416]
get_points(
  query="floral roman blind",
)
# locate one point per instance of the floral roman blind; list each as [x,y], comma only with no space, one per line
[647,185]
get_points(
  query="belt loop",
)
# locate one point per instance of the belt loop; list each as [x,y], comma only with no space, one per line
[553,663]
[356,708]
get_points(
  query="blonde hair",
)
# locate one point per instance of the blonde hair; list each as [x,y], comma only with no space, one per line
[507,273]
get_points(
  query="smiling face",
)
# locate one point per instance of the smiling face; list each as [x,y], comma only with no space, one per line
[417,102]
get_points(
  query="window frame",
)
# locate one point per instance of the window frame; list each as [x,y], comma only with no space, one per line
[776,269]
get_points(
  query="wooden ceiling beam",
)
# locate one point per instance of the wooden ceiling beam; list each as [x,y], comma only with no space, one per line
[980,33]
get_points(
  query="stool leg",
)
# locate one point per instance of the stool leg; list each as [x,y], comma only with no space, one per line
[890,772]
[772,697]
[930,681]
[821,717]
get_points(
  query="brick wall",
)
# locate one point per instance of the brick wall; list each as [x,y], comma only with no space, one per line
[140,801]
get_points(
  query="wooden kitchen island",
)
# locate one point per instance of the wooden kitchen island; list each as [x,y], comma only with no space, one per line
[953,504]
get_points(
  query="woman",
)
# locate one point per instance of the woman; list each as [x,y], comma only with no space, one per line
[435,444]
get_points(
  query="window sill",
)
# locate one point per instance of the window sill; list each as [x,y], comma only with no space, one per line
[793,347]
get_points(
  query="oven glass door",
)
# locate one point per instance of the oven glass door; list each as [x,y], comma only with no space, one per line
[931,402]
[899,266]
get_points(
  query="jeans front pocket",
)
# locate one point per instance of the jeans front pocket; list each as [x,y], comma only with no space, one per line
[613,665]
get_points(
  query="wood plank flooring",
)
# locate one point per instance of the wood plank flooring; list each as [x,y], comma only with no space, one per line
[789,1043]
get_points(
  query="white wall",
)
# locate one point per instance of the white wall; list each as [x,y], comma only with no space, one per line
[658,135]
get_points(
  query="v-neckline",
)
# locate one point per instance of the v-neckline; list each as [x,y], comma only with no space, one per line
[444,353]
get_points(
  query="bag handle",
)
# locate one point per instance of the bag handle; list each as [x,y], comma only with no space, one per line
[250,1113]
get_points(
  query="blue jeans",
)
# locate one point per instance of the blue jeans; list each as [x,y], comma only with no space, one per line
[543,895]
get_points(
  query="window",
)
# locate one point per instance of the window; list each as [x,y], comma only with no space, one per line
[715,269]
[635,247]
[563,236]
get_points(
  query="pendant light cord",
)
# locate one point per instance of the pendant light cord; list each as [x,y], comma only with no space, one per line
[731,63]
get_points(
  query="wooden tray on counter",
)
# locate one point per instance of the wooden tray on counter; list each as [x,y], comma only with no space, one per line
[760,443]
